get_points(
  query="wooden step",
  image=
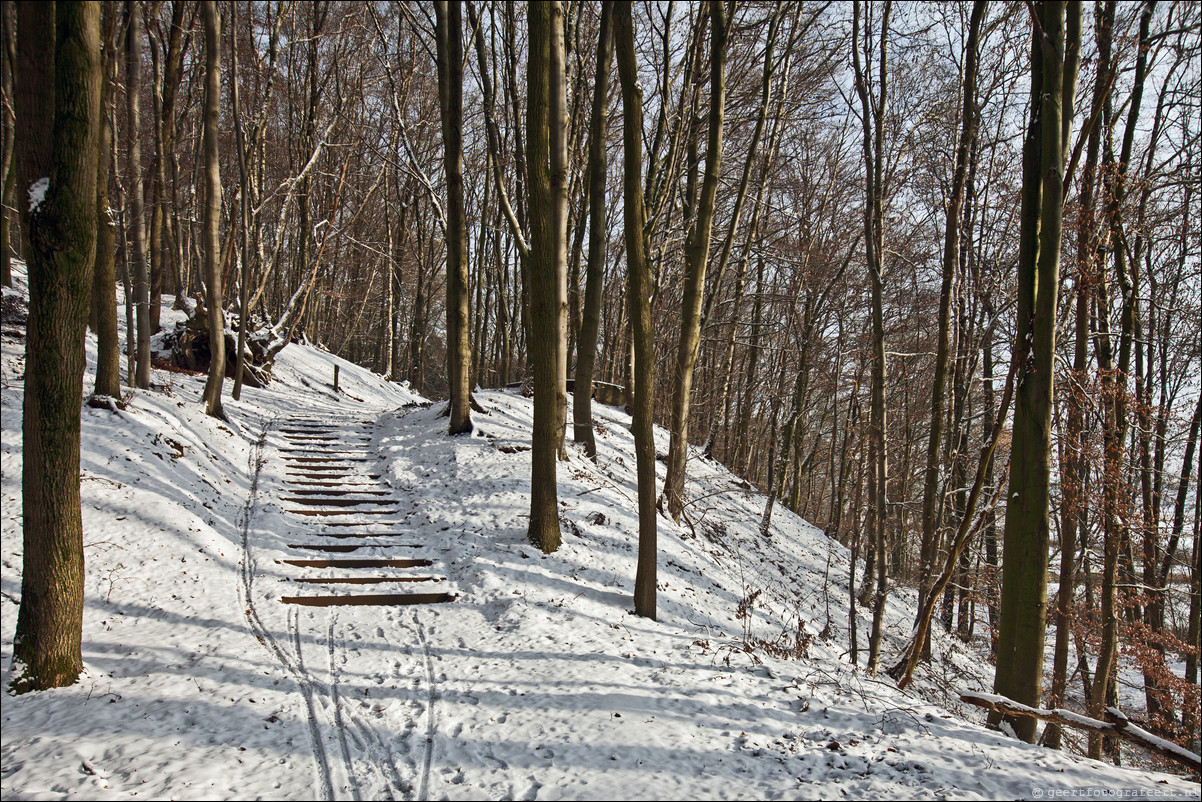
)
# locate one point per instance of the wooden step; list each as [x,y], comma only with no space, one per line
[339,501]
[327,436]
[340,548]
[365,580]
[390,599]
[300,469]
[325,459]
[299,487]
[339,490]
[353,535]
[361,562]
[381,511]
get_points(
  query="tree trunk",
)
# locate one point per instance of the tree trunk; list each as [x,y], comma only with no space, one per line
[104,276]
[697,249]
[34,114]
[639,299]
[212,213]
[872,115]
[1075,462]
[8,170]
[136,219]
[931,505]
[546,247]
[450,102]
[557,123]
[244,209]
[63,242]
[1194,627]
[1116,500]
[1019,672]
[168,261]
[590,318]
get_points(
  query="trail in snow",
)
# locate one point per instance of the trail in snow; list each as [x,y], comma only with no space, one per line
[536,681]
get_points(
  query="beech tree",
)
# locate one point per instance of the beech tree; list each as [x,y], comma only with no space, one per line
[872,112]
[136,217]
[212,244]
[638,295]
[103,317]
[62,234]
[450,102]
[590,319]
[546,174]
[1054,45]
[697,250]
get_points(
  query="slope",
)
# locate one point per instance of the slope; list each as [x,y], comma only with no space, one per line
[535,681]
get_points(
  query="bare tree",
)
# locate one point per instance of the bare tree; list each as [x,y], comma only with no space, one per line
[697,250]
[638,293]
[104,279]
[212,218]
[1023,605]
[136,219]
[590,317]
[62,227]
[872,112]
[450,102]
[548,263]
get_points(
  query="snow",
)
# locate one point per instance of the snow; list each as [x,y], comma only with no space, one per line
[536,681]
[37,193]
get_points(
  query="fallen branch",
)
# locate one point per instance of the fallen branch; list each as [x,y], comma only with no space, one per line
[1116,724]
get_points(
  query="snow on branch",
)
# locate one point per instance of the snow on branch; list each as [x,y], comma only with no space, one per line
[1116,724]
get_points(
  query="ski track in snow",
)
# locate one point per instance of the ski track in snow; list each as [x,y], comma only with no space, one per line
[536,681]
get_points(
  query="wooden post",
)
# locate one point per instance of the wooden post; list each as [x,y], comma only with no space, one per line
[335,378]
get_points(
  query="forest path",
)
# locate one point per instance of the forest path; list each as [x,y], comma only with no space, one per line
[334,487]
[332,566]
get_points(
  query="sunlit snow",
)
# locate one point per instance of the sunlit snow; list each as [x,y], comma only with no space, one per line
[537,681]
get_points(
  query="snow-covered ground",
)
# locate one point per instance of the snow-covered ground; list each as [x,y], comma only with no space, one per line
[536,681]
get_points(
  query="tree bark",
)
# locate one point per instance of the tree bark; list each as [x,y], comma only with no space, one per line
[1114,375]
[8,171]
[590,318]
[1075,462]
[104,274]
[639,298]
[697,249]
[450,102]
[63,242]
[34,115]
[546,246]
[136,221]
[872,117]
[931,505]
[212,212]
[1023,606]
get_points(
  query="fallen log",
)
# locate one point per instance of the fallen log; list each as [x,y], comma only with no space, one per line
[1116,724]
[190,347]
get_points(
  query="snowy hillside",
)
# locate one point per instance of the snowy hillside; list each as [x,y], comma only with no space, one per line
[534,681]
